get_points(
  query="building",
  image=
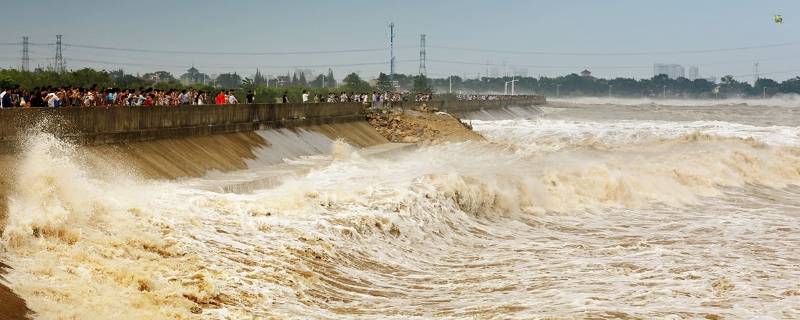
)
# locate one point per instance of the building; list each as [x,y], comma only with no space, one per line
[194,76]
[586,73]
[672,71]
[694,73]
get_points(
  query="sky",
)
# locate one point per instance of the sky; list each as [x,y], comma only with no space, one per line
[611,38]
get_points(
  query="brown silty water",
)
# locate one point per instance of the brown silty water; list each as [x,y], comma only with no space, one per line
[571,211]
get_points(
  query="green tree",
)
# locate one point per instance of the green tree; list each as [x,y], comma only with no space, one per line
[352,82]
[330,80]
[229,80]
[421,84]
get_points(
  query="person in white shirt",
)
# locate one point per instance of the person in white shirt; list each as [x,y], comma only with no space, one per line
[232,99]
[2,95]
[305,96]
[52,100]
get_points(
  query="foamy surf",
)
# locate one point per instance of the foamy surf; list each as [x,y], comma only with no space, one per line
[563,218]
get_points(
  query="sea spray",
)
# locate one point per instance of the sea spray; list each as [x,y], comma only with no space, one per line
[87,247]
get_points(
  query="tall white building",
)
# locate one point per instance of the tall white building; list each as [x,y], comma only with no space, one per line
[673,71]
[694,73]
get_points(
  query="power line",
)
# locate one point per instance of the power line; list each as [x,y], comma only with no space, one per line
[642,53]
[535,66]
[241,67]
[222,52]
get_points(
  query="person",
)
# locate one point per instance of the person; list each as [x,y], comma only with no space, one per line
[316,98]
[220,98]
[285,97]
[36,99]
[232,98]
[305,96]
[52,100]
[251,98]
[5,99]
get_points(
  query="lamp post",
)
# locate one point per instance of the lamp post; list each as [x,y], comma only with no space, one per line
[451,85]
[513,93]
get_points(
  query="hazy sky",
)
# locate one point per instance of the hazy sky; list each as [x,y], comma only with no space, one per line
[588,27]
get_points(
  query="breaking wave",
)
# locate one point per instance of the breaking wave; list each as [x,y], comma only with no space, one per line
[548,218]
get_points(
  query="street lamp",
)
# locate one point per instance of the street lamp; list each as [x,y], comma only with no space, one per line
[513,93]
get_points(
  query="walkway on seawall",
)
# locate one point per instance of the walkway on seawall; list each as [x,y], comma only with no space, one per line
[115,125]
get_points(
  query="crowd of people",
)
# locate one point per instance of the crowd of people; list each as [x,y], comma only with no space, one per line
[80,97]
[93,97]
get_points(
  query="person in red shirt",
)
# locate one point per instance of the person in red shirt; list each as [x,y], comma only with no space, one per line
[148,102]
[220,98]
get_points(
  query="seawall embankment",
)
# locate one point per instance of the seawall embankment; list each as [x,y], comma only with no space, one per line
[120,125]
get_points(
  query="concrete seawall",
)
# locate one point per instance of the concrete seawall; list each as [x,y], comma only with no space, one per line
[114,125]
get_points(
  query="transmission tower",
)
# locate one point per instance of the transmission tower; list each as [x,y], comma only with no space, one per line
[391,49]
[422,69]
[755,73]
[59,63]
[26,60]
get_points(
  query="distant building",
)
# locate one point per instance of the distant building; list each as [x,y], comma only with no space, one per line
[194,76]
[586,73]
[694,73]
[672,71]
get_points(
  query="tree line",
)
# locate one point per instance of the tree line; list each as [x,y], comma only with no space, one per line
[658,86]
[294,84]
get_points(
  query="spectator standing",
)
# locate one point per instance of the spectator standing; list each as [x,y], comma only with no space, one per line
[220,98]
[3,95]
[285,97]
[305,96]
[251,98]
[52,100]
[232,98]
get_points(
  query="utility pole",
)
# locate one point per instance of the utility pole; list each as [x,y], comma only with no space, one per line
[505,88]
[59,63]
[391,50]
[764,95]
[422,69]
[665,93]
[558,93]
[25,58]
[323,81]
[609,89]
[451,85]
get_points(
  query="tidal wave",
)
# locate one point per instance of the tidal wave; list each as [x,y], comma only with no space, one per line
[548,218]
